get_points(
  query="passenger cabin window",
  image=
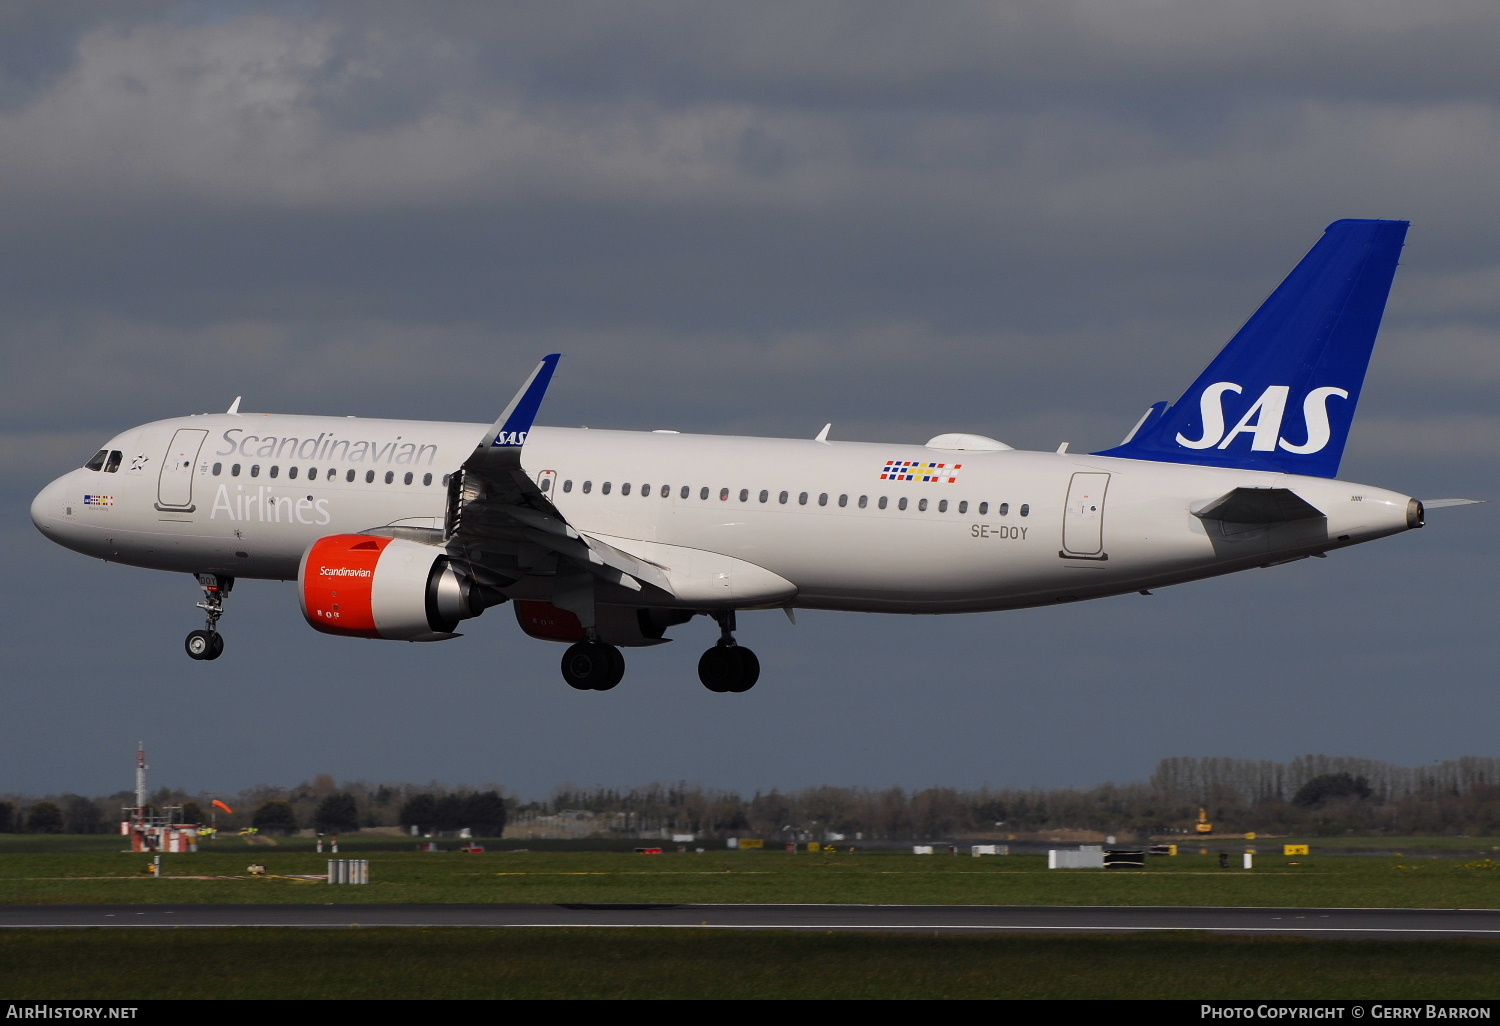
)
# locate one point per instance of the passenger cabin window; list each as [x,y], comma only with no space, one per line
[1003,509]
[963,506]
[255,470]
[764,495]
[112,465]
[744,495]
[703,492]
[312,473]
[922,505]
[666,492]
[274,471]
[234,470]
[902,503]
[390,476]
[984,507]
[349,475]
[942,505]
[624,488]
[407,479]
[291,473]
[604,488]
[369,477]
[864,500]
[1025,509]
[802,499]
[723,494]
[97,463]
[686,491]
[882,502]
[567,486]
[218,467]
[588,486]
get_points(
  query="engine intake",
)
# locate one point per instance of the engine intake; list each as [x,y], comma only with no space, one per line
[364,586]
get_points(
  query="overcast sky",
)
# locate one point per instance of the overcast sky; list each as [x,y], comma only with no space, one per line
[1025,220]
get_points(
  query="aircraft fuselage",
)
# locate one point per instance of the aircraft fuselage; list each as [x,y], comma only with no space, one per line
[850,525]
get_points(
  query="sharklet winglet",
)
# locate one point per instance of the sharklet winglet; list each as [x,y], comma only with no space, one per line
[510,430]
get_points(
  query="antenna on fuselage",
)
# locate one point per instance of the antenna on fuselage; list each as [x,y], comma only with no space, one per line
[823,435]
[234,407]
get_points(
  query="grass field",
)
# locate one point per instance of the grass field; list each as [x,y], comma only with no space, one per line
[381,963]
[273,963]
[753,876]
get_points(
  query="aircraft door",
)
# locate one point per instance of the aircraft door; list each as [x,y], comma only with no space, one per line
[1083,517]
[174,488]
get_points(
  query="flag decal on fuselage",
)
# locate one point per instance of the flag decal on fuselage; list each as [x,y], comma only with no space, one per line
[925,473]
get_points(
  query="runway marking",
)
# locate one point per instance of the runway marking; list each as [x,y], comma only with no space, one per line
[825,927]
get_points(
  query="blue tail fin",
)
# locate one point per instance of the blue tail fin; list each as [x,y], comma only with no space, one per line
[1281,395]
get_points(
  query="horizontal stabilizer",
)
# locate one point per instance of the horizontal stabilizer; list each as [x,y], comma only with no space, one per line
[1259,506]
[1440,503]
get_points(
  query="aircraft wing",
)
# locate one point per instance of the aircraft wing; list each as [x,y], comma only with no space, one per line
[503,525]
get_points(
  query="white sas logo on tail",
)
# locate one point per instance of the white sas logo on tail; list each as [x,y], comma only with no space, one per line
[505,438]
[1262,422]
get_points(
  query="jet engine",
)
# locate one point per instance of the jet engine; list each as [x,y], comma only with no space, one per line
[365,586]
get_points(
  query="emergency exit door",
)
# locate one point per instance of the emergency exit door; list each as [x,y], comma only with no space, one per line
[1083,517]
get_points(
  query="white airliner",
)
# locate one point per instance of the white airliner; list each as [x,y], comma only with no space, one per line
[607,539]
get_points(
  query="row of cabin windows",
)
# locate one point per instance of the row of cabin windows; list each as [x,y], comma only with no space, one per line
[331,474]
[107,460]
[803,498]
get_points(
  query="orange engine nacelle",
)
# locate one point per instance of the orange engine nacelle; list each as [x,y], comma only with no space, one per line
[363,586]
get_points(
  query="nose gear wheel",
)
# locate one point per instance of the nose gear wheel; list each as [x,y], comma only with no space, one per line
[208,643]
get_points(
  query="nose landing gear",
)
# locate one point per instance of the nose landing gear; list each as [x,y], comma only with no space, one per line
[728,667]
[209,643]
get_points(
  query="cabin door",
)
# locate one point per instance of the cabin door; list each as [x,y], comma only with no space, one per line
[1083,517]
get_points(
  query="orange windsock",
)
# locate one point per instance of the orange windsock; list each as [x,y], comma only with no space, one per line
[220,805]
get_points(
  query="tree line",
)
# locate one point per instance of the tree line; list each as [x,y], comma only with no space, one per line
[1313,794]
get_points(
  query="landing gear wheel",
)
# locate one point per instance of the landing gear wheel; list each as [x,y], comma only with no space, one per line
[728,669]
[590,666]
[749,670]
[200,645]
[616,668]
[209,643]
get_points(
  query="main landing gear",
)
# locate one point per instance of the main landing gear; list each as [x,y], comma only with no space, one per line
[592,666]
[209,643]
[728,668]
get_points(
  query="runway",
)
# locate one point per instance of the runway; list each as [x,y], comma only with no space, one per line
[1395,923]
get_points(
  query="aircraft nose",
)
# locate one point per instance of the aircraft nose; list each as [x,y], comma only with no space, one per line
[44,506]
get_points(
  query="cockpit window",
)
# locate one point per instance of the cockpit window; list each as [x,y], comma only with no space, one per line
[97,463]
[112,465]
